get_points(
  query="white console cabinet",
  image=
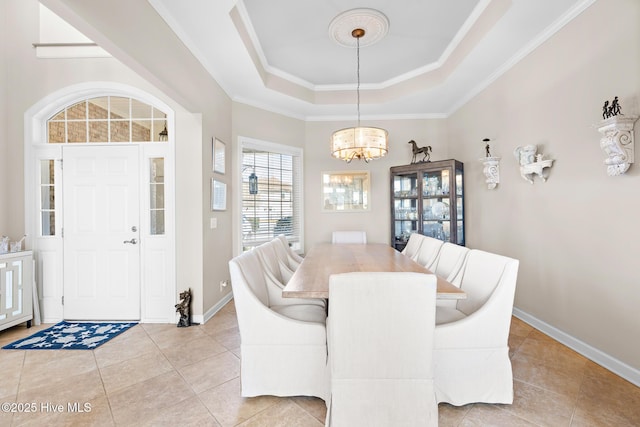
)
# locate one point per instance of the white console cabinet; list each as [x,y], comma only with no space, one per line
[16,287]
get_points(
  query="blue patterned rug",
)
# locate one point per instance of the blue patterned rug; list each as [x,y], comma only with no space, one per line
[71,336]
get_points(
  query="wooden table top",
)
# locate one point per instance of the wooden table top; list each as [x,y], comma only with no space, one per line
[311,279]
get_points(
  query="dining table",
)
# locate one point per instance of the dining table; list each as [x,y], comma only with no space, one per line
[311,278]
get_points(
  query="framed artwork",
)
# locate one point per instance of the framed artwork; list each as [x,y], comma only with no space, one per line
[218,153]
[218,195]
[346,191]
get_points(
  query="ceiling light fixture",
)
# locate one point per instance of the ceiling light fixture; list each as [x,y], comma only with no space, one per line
[364,143]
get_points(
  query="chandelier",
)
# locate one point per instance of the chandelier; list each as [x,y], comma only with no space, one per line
[364,143]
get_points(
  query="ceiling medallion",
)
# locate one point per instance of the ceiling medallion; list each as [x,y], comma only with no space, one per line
[374,23]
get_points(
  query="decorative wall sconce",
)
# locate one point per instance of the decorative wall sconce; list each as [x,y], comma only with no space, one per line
[617,143]
[491,167]
[531,163]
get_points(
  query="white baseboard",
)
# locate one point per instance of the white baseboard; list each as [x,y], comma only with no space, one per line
[614,365]
[216,308]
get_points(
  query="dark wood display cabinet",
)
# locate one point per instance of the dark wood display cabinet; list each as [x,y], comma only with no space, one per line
[427,198]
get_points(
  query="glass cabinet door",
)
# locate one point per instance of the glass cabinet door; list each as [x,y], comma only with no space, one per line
[459,209]
[405,208]
[436,217]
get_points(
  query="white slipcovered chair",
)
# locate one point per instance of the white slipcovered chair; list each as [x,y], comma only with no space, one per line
[273,264]
[283,344]
[428,251]
[349,237]
[448,264]
[413,245]
[277,273]
[294,259]
[471,352]
[380,337]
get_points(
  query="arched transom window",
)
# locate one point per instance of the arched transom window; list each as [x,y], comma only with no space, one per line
[108,119]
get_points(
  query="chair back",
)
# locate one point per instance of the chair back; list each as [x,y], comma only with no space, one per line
[349,237]
[272,263]
[380,338]
[294,258]
[282,252]
[481,275]
[449,262]
[428,251]
[247,276]
[413,245]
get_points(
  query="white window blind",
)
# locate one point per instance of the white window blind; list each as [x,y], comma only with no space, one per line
[276,206]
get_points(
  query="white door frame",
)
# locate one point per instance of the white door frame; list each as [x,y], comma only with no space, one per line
[157,261]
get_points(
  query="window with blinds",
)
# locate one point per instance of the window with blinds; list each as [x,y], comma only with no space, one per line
[271,195]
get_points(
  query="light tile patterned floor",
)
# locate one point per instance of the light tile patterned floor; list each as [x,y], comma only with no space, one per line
[161,375]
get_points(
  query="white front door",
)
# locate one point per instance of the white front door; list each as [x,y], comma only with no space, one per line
[101,233]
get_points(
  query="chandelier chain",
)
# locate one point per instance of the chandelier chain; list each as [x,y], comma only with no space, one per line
[358,76]
[357,142]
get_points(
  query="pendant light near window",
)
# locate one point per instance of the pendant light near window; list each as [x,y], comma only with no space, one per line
[364,143]
[253,183]
[253,178]
[164,134]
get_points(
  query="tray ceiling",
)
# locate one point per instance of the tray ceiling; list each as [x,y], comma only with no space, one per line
[279,55]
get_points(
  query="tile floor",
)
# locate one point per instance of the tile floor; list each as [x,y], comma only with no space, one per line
[161,375]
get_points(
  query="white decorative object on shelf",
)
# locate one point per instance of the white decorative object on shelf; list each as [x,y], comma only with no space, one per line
[491,171]
[617,143]
[531,163]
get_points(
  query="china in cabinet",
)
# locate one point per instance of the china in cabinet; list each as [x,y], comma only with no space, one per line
[427,198]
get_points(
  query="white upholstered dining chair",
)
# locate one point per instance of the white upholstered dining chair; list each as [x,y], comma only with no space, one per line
[273,263]
[413,245]
[449,261]
[471,351]
[380,338]
[277,273]
[283,344]
[349,237]
[428,252]
[294,259]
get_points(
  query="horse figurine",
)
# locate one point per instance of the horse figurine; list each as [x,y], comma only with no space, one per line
[184,308]
[417,150]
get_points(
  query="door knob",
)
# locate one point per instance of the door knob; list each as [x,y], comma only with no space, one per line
[132,241]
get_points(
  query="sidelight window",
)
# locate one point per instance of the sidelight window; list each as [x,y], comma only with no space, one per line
[156,192]
[47,198]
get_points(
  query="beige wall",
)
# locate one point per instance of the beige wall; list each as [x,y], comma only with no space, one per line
[576,235]
[314,137]
[320,224]
[254,123]
[4,136]
[27,79]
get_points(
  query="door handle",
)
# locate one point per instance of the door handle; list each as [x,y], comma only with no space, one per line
[132,241]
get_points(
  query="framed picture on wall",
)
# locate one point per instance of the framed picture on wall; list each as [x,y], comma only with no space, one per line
[218,195]
[346,191]
[218,151]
